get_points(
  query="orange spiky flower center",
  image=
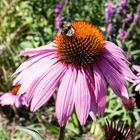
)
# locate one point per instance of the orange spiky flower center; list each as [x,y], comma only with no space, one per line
[83,46]
[15,89]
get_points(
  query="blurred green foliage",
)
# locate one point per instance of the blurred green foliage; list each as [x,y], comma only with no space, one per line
[28,24]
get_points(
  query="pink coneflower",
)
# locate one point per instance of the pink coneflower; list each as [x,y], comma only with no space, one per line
[10,98]
[137,81]
[80,63]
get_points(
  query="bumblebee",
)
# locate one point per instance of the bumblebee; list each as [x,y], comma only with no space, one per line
[66,28]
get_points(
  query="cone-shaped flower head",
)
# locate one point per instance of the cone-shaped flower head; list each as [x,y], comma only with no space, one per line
[80,63]
[80,44]
[11,98]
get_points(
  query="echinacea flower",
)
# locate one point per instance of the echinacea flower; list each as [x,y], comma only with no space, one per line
[10,98]
[116,131]
[80,63]
[137,81]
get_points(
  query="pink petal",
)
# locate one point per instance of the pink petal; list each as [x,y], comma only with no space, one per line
[115,50]
[115,79]
[33,72]
[137,68]
[65,96]
[41,50]
[118,60]
[43,88]
[100,89]
[90,82]
[137,88]
[20,101]
[31,61]
[7,99]
[137,81]
[11,99]
[82,97]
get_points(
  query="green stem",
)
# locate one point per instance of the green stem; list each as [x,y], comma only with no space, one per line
[132,127]
[62,133]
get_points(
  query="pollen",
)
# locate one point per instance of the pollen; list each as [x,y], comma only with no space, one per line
[82,47]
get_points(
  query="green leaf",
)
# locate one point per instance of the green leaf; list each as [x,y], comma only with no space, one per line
[25,44]
[32,132]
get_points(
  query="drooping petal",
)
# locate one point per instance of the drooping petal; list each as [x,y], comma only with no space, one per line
[137,81]
[32,61]
[42,88]
[113,49]
[26,77]
[7,99]
[11,99]
[41,50]
[137,88]
[90,82]
[100,89]
[116,57]
[115,79]
[137,68]
[34,70]
[138,78]
[93,107]
[65,96]
[82,97]
[20,101]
